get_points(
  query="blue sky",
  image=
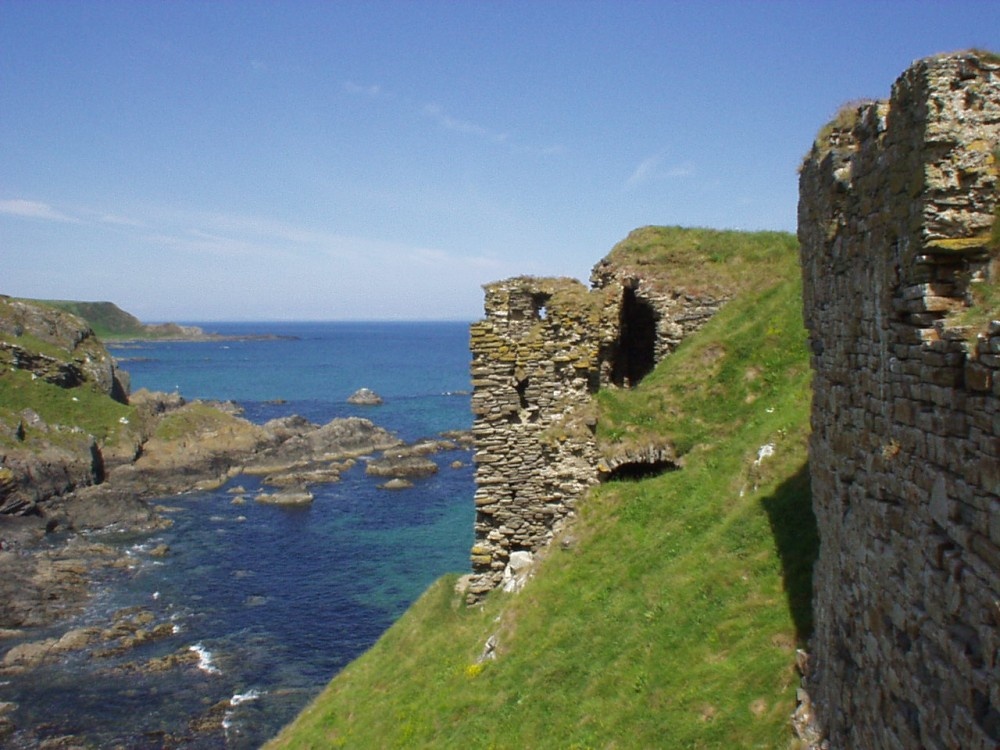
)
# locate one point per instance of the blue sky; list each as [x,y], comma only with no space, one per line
[382,160]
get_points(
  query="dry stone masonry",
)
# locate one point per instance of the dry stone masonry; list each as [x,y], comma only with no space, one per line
[542,350]
[897,201]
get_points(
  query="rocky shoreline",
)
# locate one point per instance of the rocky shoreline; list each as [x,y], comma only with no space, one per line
[50,556]
[85,466]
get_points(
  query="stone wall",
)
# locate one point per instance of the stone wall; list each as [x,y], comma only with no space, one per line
[897,200]
[542,350]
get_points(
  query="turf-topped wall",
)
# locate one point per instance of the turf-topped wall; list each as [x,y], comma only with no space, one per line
[897,203]
[543,349]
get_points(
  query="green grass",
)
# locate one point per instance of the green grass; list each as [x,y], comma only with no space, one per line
[195,418]
[107,320]
[671,620]
[705,260]
[85,407]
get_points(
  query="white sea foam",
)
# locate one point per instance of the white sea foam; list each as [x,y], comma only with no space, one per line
[205,663]
[249,695]
[237,699]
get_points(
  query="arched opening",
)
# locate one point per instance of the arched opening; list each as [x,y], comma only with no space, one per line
[637,344]
[635,470]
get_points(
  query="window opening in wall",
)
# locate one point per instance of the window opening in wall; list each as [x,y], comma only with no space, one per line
[540,303]
[636,355]
[522,388]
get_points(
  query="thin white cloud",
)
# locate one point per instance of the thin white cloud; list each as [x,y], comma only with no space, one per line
[442,259]
[446,121]
[651,168]
[643,172]
[372,91]
[34,210]
[121,221]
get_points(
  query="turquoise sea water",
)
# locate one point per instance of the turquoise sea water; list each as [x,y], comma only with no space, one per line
[273,600]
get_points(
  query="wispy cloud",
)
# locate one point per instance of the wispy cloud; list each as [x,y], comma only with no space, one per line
[34,210]
[372,91]
[121,221]
[651,168]
[446,121]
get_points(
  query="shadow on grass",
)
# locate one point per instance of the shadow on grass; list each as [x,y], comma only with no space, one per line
[789,511]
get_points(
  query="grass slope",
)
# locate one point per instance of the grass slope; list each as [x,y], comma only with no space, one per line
[106,319]
[671,618]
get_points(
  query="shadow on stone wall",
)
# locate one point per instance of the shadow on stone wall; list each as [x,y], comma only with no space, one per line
[789,511]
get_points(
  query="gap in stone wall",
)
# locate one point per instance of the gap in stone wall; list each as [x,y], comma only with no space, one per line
[637,343]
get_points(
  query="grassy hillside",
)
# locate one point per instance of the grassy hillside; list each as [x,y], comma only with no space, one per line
[106,318]
[670,616]
[110,322]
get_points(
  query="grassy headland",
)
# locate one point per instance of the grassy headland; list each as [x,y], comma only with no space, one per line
[109,322]
[668,614]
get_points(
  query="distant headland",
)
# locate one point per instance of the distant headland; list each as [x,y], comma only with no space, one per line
[110,323]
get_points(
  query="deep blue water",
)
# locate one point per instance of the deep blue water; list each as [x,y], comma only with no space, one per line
[278,599]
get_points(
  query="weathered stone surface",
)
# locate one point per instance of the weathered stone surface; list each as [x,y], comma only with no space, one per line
[894,220]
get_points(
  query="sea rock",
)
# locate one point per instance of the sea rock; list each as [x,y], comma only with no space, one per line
[286,498]
[364,397]
[401,466]
[396,484]
[29,655]
[303,477]
[98,507]
[40,585]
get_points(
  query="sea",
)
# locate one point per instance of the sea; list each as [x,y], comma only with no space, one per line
[273,601]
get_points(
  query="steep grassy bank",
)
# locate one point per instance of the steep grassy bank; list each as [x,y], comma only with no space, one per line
[668,614]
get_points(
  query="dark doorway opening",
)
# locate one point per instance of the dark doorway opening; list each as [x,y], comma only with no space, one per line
[637,345]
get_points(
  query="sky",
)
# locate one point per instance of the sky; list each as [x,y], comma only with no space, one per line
[230,161]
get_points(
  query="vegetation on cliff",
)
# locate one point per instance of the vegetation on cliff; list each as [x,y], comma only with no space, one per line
[109,321]
[62,401]
[668,614]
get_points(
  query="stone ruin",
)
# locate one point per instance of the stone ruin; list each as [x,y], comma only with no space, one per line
[897,202]
[543,349]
